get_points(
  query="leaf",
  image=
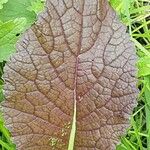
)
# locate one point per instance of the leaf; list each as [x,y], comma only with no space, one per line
[36,6]
[13,21]
[17,8]
[1,92]
[144,65]
[2,2]
[1,82]
[8,36]
[123,7]
[71,84]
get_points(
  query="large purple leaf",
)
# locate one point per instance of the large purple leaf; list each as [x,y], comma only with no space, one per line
[74,66]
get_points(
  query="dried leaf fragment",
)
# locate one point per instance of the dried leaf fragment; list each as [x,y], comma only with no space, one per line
[76,55]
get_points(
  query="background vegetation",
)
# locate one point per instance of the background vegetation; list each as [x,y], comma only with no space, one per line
[17,15]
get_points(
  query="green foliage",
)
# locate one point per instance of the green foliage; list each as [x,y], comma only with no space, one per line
[122,6]
[5,139]
[36,6]
[9,32]
[14,21]
[15,17]
[144,65]
[1,82]
[17,8]
[135,14]
[2,2]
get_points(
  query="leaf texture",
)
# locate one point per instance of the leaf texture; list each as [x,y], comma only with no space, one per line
[77,55]
[2,2]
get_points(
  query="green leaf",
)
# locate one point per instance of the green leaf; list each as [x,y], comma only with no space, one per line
[36,6]
[122,6]
[1,83]
[2,2]
[144,65]
[17,8]
[8,36]
[10,26]
[1,91]
[54,89]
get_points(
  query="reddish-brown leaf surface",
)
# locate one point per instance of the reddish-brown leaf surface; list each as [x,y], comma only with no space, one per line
[76,53]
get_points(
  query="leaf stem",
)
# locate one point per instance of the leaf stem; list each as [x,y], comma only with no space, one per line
[73,129]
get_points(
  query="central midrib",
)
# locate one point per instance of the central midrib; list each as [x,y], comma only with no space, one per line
[73,128]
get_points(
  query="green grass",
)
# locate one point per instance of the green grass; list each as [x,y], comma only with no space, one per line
[136,15]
